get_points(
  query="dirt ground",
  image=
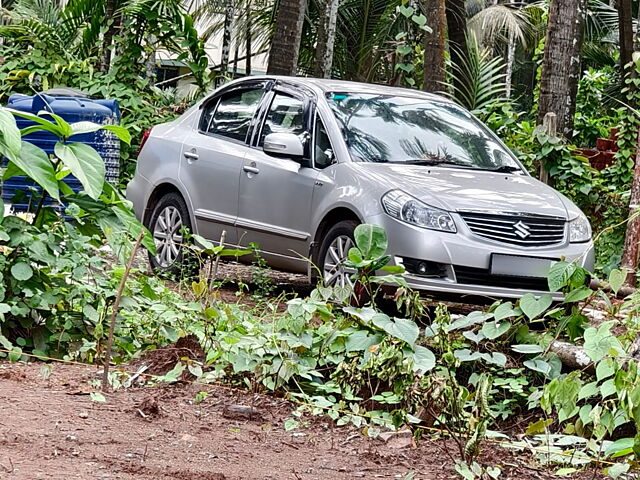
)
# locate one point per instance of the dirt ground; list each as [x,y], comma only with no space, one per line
[50,428]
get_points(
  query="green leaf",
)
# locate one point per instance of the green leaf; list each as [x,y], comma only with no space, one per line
[361,340]
[614,471]
[493,330]
[80,128]
[419,20]
[539,427]
[619,445]
[606,368]
[406,11]
[403,50]
[616,279]
[21,271]
[533,308]
[42,124]
[598,343]
[371,240]
[588,390]
[505,310]
[64,127]
[496,358]
[10,143]
[355,256]
[566,471]
[578,294]
[291,424]
[35,163]
[474,337]
[394,269]
[471,319]
[559,275]
[464,471]
[400,328]
[527,348]
[423,359]
[538,365]
[85,164]
[173,375]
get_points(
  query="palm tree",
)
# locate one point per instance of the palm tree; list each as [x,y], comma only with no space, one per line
[480,78]
[561,63]
[434,47]
[503,28]
[285,43]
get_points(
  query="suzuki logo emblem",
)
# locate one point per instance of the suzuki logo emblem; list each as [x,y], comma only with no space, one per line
[522,230]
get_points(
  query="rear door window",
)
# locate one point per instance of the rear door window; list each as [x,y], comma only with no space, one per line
[230,116]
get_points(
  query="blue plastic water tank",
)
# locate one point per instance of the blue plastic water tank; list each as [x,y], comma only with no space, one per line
[72,109]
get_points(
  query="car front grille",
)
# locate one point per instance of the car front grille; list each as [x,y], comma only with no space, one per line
[481,276]
[516,229]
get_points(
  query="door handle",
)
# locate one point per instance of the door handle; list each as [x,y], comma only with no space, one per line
[191,155]
[250,169]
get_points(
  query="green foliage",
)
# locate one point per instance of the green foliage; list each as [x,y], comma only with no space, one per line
[595,113]
[481,78]
[53,290]
[44,53]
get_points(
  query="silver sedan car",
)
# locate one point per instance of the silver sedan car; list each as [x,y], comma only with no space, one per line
[295,164]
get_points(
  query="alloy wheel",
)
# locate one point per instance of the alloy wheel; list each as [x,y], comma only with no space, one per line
[167,236]
[335,272]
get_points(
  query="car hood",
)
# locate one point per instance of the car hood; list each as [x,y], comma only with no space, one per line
[456,189]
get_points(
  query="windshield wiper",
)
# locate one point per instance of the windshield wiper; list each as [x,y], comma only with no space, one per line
[429,163]
[503,169]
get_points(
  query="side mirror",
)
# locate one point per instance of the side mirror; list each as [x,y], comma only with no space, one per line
[283,145]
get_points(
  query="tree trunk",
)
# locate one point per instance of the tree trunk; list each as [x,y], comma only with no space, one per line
[109,12]
[236,54]
[150,64]
[226,38]
[326,39]
[561,63]
[247,61]
[285,44]
[625,30]
[435,45]
[457,33]
[632,236]
[511,58]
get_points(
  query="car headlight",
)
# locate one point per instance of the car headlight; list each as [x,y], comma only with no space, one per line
[410,210]
[579,230]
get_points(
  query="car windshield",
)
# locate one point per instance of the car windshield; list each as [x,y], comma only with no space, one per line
[399,129]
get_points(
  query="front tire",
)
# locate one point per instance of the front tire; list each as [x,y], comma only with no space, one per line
[334,250]
[169,223]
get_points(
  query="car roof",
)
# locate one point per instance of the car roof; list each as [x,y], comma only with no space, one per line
[323,85]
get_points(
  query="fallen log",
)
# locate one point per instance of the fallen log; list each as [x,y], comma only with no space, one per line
[623,292]
[572,356]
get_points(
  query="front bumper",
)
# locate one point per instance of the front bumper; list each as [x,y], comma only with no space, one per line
[466,259]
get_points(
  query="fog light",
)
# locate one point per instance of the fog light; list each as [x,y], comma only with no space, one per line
[424,268]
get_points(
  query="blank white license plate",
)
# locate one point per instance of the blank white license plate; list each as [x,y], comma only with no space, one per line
[520,266]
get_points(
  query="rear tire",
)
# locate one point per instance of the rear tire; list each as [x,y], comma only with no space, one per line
[169,223]
[334,249]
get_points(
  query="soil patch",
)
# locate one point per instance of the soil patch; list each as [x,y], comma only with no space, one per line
[50,429]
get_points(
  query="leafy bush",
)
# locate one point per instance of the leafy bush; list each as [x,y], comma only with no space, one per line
[53,293]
